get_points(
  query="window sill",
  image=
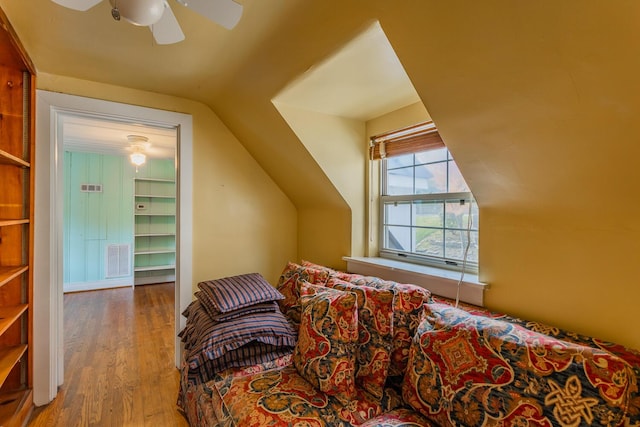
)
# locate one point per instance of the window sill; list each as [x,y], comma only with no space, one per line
[439,281]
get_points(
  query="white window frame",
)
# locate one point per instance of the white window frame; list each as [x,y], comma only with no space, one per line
[414,257]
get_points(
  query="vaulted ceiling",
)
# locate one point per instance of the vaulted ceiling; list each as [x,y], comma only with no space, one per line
[91,45]
[511,85]
[238,72]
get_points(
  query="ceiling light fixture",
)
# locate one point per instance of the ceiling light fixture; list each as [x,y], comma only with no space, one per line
[139,144]
[138,158]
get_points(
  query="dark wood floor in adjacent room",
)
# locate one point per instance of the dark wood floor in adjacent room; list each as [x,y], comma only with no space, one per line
[119,360]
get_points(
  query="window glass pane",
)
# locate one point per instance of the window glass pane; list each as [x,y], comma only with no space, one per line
[428,214]
[455,244]
[429,242]
[475,217]
[456,181]
[457,215]
[400,161]
[430,156]
[425,223]
[398,213]
[472,255]
[431,178]
[397,238]
[400,181]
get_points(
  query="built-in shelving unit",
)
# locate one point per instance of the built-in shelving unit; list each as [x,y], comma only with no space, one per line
[17,91]
[155,230]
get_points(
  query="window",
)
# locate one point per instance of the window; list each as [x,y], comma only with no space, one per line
[428,215]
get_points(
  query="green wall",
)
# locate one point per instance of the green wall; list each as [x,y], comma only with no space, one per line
[157,169]
[94,220]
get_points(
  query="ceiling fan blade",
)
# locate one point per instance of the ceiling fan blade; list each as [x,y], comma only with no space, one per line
[80,5]
[224,12]
[167,30]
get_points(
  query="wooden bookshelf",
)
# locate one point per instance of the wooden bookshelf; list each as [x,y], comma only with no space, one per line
[7,222]
[17,108]
[9,357]
[7,274]
[10,315]
[9,159]
[15,408]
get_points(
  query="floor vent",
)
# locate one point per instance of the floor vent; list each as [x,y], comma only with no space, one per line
[118,260]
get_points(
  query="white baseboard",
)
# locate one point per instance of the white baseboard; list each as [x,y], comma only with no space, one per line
[100,284]
[150,280]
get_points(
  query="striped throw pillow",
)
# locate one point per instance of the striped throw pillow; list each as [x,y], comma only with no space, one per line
[231,293]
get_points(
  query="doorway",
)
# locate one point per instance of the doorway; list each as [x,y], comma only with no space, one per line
[51,108]
[118,216]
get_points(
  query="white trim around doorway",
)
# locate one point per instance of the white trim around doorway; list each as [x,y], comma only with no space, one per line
[48,351]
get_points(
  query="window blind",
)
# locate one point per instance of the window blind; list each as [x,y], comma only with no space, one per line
[411,139]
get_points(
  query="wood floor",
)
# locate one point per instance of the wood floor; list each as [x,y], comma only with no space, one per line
[119,360]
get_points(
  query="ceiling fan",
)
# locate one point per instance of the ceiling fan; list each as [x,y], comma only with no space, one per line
[158,16]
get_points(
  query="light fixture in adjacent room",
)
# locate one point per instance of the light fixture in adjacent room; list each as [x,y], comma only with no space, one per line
[138,158]
[139,144]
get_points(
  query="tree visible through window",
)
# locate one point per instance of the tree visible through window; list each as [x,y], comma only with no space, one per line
[428,213]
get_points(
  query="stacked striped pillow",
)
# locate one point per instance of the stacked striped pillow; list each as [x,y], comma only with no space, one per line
[234,322]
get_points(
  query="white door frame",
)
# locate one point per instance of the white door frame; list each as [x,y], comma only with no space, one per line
[48,349]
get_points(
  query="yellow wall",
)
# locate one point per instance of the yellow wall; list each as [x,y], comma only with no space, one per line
[316,231]
[242,222]
[537,102]
[336,144]
[559,238]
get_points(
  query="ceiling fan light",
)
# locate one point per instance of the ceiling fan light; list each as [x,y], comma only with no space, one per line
[140,12]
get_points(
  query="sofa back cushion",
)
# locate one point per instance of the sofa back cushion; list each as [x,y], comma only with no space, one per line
[289,286]
[375,338]
[472,370]
[630,356]
[327,340]
[310,264]
[407,312]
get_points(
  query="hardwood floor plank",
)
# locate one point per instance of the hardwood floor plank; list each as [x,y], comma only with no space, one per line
[119,368]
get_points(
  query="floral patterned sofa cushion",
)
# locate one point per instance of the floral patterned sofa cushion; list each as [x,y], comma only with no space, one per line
[399,418]
[473,370]
[375,339]
[630,356]
[310,264]
[282,397]
[289,286]
[407,312]
[325,354]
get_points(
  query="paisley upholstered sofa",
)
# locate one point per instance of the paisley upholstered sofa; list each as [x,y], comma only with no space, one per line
[371,352]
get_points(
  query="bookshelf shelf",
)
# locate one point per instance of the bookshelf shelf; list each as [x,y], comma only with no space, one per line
[155,225]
